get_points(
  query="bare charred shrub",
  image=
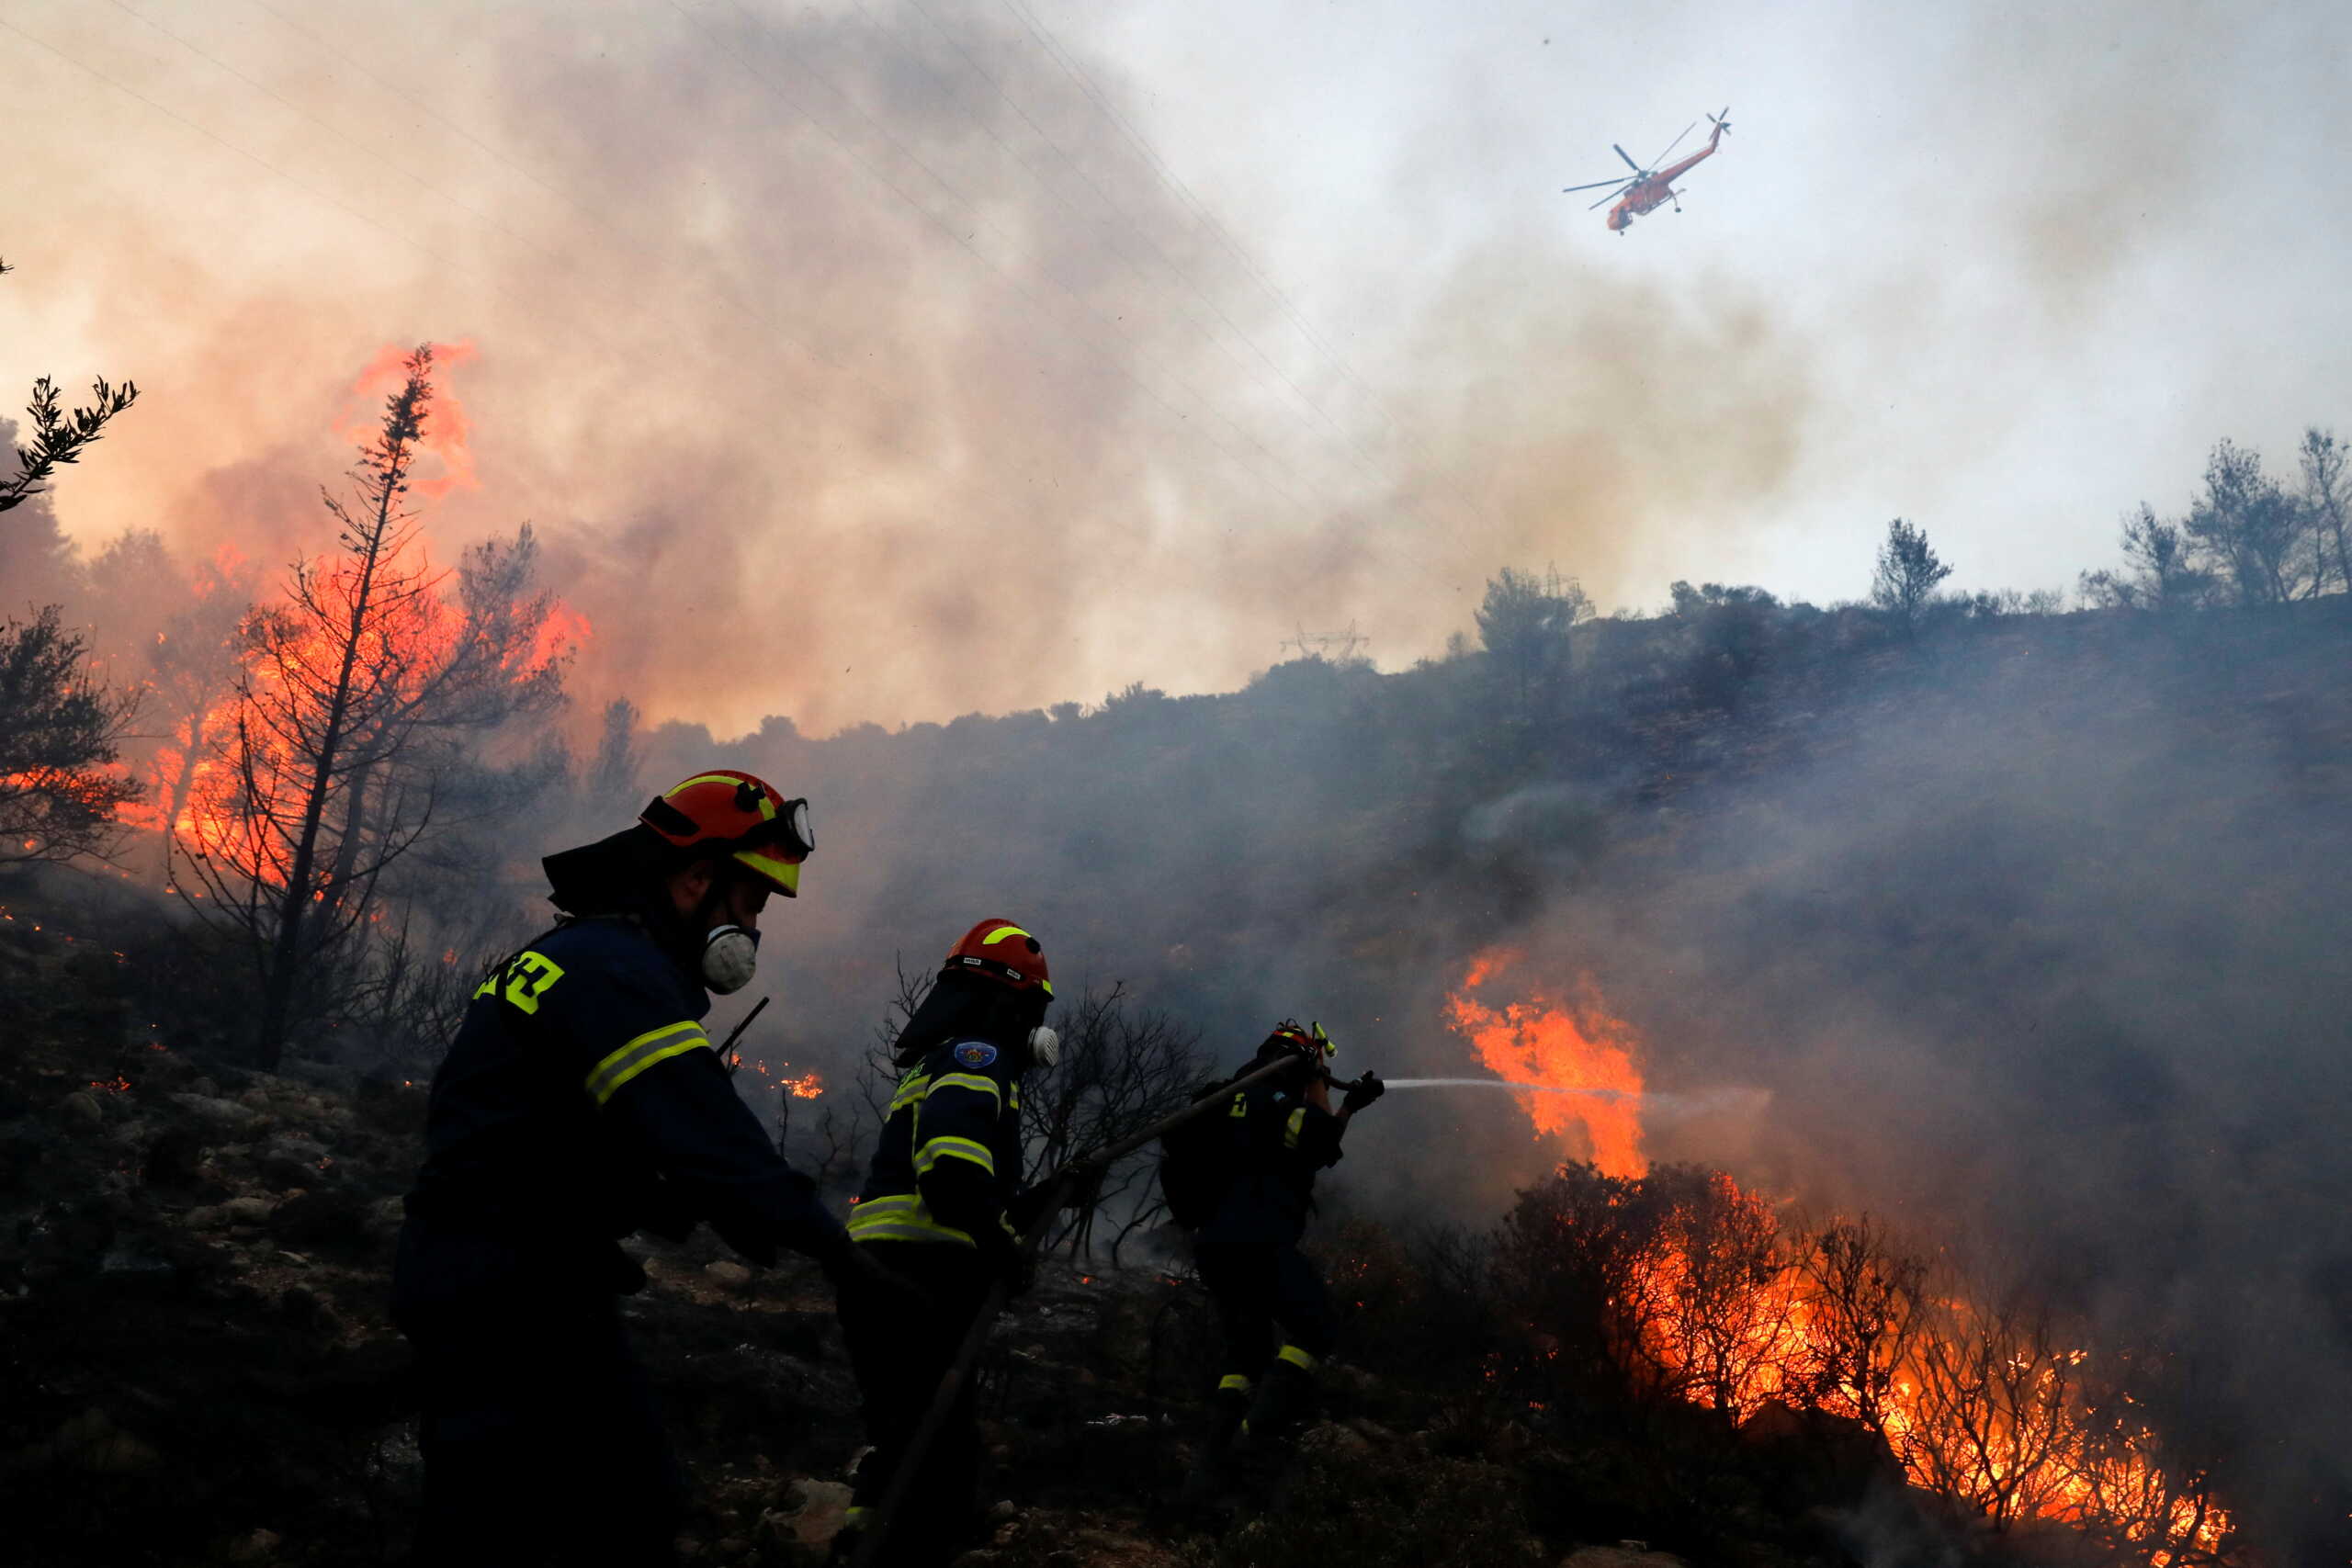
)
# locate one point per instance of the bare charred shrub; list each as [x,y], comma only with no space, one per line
[1122,1067]
[1996,1384]
[1707,1323]
[1683,1305]
[2144,1466]
[1371,1504]
[1865,1298]
[1411,1306]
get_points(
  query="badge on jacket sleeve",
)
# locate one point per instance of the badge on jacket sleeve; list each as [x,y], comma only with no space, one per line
[975,1054]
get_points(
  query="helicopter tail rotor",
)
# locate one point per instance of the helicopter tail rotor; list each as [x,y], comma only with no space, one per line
[1723,122]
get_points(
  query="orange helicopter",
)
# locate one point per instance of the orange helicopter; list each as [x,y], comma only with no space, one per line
[1653,187]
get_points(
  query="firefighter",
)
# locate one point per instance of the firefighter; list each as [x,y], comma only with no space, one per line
[580,1102]
[939,1209]
[1249,1210]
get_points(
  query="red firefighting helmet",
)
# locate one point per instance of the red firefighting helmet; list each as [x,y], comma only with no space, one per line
[1306,1040]
[1002,952]
[724,812]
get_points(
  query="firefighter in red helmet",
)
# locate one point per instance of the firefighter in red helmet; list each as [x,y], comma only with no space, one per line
[582,1101]
[1243,1184]
[939,1209]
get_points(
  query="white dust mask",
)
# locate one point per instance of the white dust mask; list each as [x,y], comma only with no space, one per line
[729,955]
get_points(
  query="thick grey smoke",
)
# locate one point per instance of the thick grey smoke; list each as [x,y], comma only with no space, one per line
[857,364]
[2039,948]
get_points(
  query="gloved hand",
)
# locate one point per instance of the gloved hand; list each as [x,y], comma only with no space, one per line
[1362,1093]
[1011,1264]
[1032,1206]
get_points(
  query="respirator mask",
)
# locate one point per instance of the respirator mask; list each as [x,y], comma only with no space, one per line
[1044,1046]
[729,955]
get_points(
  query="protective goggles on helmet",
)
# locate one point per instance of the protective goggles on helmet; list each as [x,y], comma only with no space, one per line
[773,847]
[1308,1041]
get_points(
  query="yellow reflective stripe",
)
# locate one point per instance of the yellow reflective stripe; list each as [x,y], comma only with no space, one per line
[1234,1381]
[702,778]
[1290,1131]
[971,1081]
[1001,933]
[653,1046]
[1297,1358]
[937,1149]
[522,978]
[911,1090]
[900,1216]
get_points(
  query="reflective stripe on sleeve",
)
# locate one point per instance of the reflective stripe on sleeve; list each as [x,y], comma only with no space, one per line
[972,1081]
[911,1091]
[1236,1382]
[653,1046]
[1297,1358]
[1290,1131]
[936,1150]
[901,1216]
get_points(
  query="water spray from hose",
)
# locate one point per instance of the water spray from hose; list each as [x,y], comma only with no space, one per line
[1651,1104]
[1612,1094]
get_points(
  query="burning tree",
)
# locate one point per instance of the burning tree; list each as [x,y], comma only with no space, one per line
[341,749]
[1678,1286]
[185,659]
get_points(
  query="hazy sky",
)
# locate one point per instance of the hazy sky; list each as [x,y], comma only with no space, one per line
[887,361]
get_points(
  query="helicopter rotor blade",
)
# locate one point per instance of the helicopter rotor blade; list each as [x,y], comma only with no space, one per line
[1638,170]
[1673,144]
[1609,197]
[1594,186]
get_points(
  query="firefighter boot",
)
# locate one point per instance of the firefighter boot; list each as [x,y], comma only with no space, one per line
[1285,1396]
[1206,1480]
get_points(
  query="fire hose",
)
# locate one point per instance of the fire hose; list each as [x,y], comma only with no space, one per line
[1054,1185]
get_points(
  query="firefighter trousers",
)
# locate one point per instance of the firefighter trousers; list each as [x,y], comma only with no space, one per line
[541,1436]
[1262,1288]
[899,1350]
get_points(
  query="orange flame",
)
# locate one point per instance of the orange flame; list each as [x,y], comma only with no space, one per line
[1993,1412]
[224,810]
[1540,1042]
[1727,1317]
[808,1086]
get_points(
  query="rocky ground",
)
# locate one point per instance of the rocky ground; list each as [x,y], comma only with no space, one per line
[197,1366]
